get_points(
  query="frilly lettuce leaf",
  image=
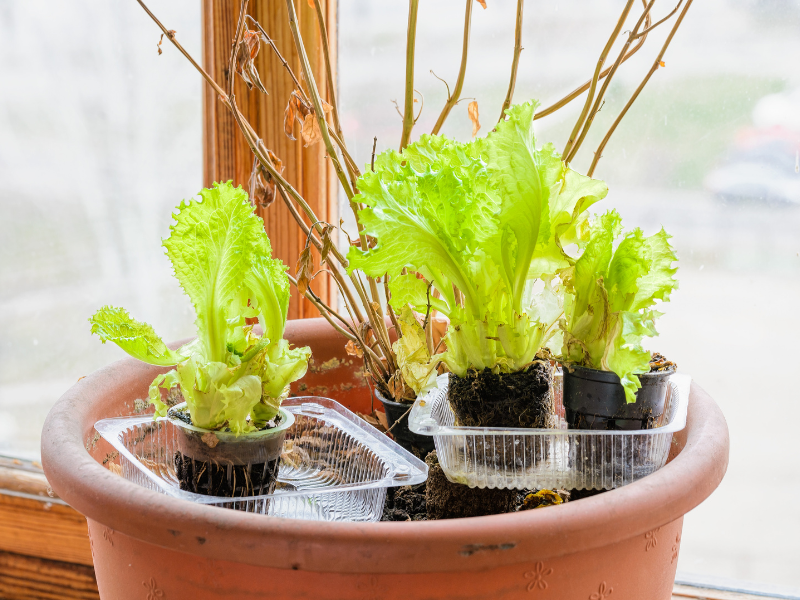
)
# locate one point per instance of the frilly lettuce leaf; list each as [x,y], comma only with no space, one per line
[212,246]
[609,297]
[477,221]
[136,338]
[230,377]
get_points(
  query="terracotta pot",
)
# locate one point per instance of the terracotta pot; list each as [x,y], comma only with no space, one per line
[148,546]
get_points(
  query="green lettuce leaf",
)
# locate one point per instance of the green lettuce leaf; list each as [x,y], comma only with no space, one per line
[610,295]
[480,222]
[136,338]
[212,246]
[230,377]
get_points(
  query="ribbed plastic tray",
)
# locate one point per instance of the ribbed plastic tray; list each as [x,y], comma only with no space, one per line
[495,457]
[334,465]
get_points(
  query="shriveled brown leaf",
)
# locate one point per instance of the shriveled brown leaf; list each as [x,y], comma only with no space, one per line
[327,242]
[295,109]
[305,268]
[397,386]
[353,349]
[245,56]
[172,33]
[482,3]
[472,111]
[311,131]
[263,188]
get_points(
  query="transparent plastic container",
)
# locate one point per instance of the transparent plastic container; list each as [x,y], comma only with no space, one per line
[334,466]
[497,457]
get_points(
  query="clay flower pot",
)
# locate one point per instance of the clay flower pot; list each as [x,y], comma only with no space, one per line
[620,545]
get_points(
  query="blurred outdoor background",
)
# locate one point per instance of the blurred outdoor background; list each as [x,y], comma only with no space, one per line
[100,137]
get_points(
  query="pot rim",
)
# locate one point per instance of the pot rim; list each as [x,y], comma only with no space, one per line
[609,376]
[380,397]
[287,420]
[696,470]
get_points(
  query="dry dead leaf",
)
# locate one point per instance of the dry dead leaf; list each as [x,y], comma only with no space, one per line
[245,56]
[472,111]
[353,349]
[305,267]
[482,3]
[327,242]
[263,187]
[172,33]
[397,386]
[310,131]
[296,108]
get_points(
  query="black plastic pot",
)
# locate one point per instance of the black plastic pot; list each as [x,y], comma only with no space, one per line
[402,434]
[595,399]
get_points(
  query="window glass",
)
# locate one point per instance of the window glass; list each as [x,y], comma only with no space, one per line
[99,138]
[709,151]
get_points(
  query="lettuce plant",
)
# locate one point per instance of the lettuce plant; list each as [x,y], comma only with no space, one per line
[610,293]
[477,223]
[230,376]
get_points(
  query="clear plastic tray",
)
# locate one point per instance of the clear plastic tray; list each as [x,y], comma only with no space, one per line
[495,457]
[334,466]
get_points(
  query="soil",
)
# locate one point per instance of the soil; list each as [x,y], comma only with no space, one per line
[659,363]
[451,500]
[446,500]
[521,399]
[230,481]
[406,504]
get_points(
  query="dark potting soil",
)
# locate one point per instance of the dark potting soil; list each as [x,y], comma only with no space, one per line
[521,399]
[446,500]
[410,503]
[659,363]
[230,481]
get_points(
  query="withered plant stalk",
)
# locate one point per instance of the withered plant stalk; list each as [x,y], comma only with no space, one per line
[365,325]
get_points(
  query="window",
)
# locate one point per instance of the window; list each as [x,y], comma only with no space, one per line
[100,137]
[709,151]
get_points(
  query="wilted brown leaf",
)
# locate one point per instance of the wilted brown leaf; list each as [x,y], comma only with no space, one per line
[482,3]
[310,131]
[296,108]
[353,349]
[327,243]
[263,187]
[172,33]
[397,386]
[472,111]
[305,267]
[245,55]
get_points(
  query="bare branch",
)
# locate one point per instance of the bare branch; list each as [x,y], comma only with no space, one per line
[515,63]
[598,103]
[171,35]
[452,99]
[599,153]
[657,23]
[579,90]
[590,98]
[411,41]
